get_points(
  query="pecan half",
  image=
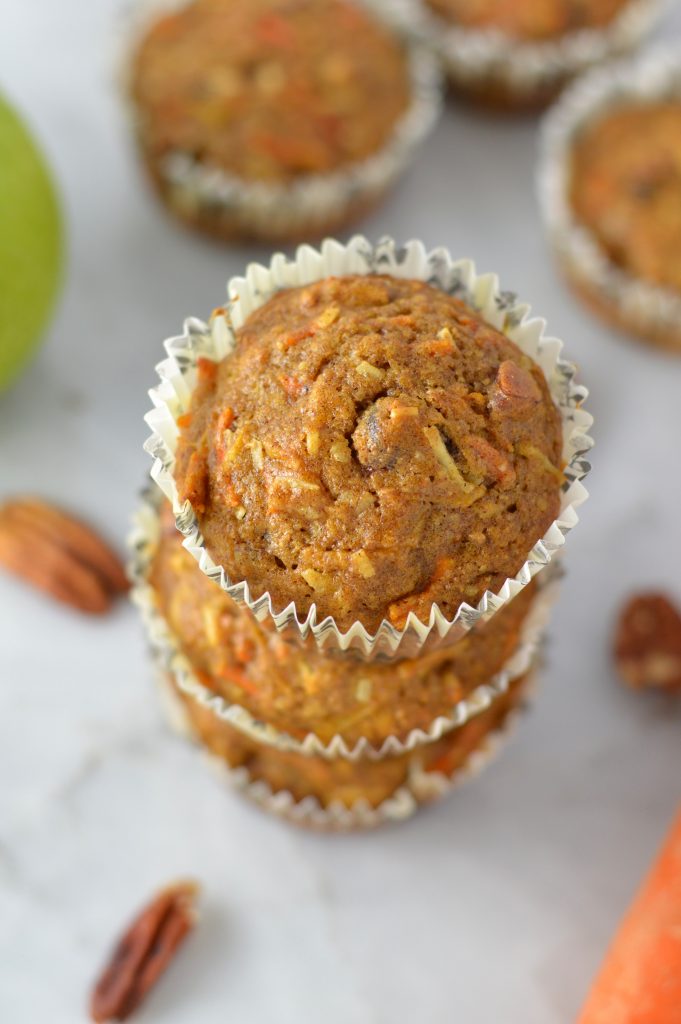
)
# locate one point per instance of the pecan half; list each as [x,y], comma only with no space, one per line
[59,555]
[144,952]
[647,644]
[515,389]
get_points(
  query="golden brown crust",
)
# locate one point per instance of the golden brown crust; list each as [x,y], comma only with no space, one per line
[626,188]
[368,447]
[340,780]
[299,690]
[529,20]
[269,90]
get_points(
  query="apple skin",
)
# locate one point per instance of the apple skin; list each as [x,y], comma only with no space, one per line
[31,245]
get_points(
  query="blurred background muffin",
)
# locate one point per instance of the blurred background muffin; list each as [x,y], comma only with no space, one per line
[518,54]
[276,119]
[611,191]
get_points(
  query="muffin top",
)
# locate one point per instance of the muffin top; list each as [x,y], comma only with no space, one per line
[269,90]
[372,446]
[626,188]
[529,20]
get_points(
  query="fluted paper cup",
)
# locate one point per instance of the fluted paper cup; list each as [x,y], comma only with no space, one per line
[425,777]
[143,545]
[215,341]
[215,201]
[510,73]
[631,303]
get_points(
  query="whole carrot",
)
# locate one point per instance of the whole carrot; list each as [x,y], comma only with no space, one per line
[640,980]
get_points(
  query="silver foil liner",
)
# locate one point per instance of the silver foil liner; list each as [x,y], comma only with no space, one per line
[281,212]
[171,398]
[649,308]
[480,60]
[421,787]
[143,543]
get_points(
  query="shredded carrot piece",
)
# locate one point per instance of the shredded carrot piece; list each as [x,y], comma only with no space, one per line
[206,369]
[244,650]
[275,31]
[293,386]
[184,420]
[232,498]
[420,601]
[226,418]
[440,346]
[299,335]
[238,677]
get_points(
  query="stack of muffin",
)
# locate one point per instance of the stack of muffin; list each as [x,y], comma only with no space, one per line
[371,454]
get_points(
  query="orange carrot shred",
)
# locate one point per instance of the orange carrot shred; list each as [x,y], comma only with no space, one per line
[226,418]
[206,369]
[232,498]
[184,420]
[239,678]
[293,386]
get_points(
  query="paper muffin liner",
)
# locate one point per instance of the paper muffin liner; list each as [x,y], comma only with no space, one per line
[143,544]
[647,308]
[488,62]
[313,204]
[171,398]
[421,787]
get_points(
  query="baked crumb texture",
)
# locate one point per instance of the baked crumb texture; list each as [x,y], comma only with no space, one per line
[300,691]
[269,90]
[372,447]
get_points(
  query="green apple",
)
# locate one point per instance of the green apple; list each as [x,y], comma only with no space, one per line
[30,245]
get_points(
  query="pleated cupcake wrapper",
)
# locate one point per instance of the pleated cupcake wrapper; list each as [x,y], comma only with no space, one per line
[476,58]
[143,543]
[286,210]
[421,787]
[171,398]
[654,76]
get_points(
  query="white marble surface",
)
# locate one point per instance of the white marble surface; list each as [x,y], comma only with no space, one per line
[490,909]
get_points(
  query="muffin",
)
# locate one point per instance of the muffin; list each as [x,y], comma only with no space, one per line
[301,692]
[421,775]
[520,53]
[611,179]
[372,447]
[275,119]
[371,451]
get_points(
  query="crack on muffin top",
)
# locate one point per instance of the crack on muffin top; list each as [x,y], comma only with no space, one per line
[372,446]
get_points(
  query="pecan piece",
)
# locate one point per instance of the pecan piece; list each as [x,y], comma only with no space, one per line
[492,462]
[515,388]
[59,555]
[144,952]
[647,643]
